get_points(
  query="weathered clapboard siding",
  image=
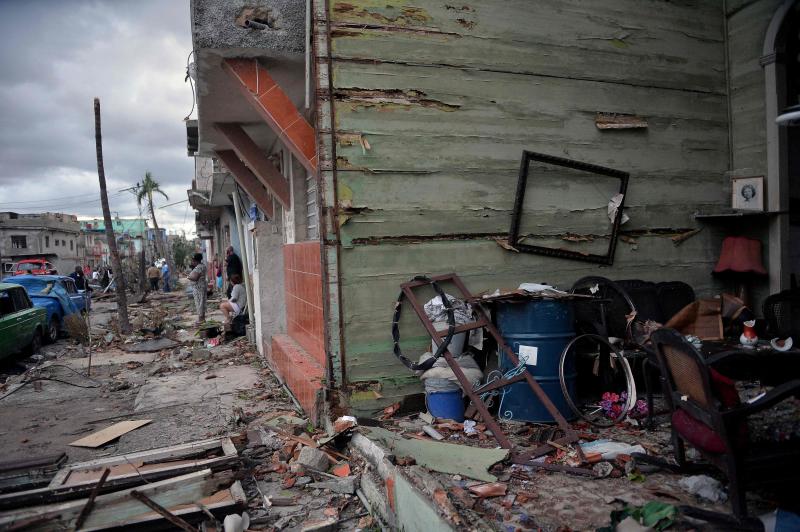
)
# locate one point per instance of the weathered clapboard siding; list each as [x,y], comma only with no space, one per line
[373,274]
[433,106]
[665,45]
[747,26]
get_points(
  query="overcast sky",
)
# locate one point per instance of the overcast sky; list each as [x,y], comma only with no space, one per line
[56,56]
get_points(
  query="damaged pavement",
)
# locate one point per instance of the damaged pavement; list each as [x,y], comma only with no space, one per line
[227,432]
[208,434]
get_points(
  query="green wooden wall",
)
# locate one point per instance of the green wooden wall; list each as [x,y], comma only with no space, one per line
[434,102]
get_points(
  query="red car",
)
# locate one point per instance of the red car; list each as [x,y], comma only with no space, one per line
[35,267]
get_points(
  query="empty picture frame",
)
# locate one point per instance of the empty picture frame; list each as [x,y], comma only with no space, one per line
[522,184]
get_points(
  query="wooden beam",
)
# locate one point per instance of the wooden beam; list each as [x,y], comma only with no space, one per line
[175,520]
[247,179]
[270,101]
[87,508]
[249,152]
[118,507]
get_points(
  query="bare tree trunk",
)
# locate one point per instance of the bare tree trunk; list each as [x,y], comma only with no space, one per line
[164,247]
[142,281]
[122,296]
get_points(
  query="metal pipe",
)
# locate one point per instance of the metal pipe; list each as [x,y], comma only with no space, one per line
[253,25]
[243,249]
[308,54]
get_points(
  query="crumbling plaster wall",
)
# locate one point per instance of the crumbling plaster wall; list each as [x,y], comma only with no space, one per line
[747,23]
[268,286]
[747,27]
[434,103]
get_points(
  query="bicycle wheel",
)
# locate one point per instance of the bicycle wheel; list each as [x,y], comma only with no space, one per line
[601,368]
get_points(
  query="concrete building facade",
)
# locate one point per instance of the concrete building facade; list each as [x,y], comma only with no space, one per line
[53,236]
[382,140]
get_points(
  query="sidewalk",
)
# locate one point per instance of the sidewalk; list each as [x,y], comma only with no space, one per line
[190,392]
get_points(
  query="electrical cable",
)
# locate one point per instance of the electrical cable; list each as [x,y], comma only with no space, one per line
[191,84]
[451,325]
[46,200]
[54,204]
[25,383]
[73,370]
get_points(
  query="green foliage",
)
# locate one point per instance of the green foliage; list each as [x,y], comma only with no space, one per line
[182,249]
[654,514]
[149,187]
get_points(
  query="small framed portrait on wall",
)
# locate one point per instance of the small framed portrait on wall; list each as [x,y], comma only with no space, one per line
[748,193]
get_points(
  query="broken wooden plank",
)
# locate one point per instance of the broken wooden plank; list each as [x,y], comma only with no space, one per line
[70,492]
[220,503]
[29,474]
[118,507]
[108,434]
[76,480]
[172,452]
[174,519]
[87,508]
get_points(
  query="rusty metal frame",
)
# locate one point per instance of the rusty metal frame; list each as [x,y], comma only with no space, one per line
[570,435]
[522,184]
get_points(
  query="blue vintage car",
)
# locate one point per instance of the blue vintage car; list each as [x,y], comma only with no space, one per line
[58,295]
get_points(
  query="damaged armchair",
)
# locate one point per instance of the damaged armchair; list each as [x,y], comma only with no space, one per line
[707,414]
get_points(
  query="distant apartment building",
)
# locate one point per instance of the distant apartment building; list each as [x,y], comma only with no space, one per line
[53,236]
[131,235]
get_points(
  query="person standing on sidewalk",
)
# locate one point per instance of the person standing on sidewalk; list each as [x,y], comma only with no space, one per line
[153,275]
[199,286]
[233,266]
[165,276]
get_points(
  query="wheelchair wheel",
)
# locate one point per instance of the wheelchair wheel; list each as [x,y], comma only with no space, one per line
[589,368]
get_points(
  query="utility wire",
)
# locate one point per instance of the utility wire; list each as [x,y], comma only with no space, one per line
[38,204]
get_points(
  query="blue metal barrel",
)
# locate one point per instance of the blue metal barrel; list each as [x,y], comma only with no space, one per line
[540,329]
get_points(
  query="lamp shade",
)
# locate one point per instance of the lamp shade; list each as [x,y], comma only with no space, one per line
[740,255]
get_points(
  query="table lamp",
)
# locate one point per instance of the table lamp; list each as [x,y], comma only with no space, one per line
[740,260]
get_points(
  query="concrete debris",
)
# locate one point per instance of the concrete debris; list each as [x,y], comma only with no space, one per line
[472,462]
[201,354]
[313,459]
[149,346]
[167,380]
[343,423]
[432,432]
[346,485]
[322,525]
[492,489]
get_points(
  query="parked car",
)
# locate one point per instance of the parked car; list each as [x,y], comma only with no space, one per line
[35,267]
[22,325]
[58,295]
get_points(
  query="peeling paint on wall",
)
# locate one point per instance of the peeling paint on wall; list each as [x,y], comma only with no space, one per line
[388,99]
[449,94]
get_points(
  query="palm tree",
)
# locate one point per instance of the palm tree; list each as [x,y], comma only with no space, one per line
[148,187]
[146,190]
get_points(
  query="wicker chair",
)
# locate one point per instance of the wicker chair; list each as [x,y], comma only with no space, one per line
[706,415]
[782,312]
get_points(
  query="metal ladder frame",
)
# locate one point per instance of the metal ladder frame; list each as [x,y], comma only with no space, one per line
[570,435]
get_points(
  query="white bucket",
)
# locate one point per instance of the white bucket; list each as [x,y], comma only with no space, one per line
[456,346]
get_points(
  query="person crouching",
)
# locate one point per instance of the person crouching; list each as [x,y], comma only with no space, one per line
[237,303]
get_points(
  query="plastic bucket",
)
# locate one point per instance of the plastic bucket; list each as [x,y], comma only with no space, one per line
[456,346]
[446,405]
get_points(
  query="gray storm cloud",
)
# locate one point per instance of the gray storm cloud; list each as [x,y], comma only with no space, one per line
[56,57]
